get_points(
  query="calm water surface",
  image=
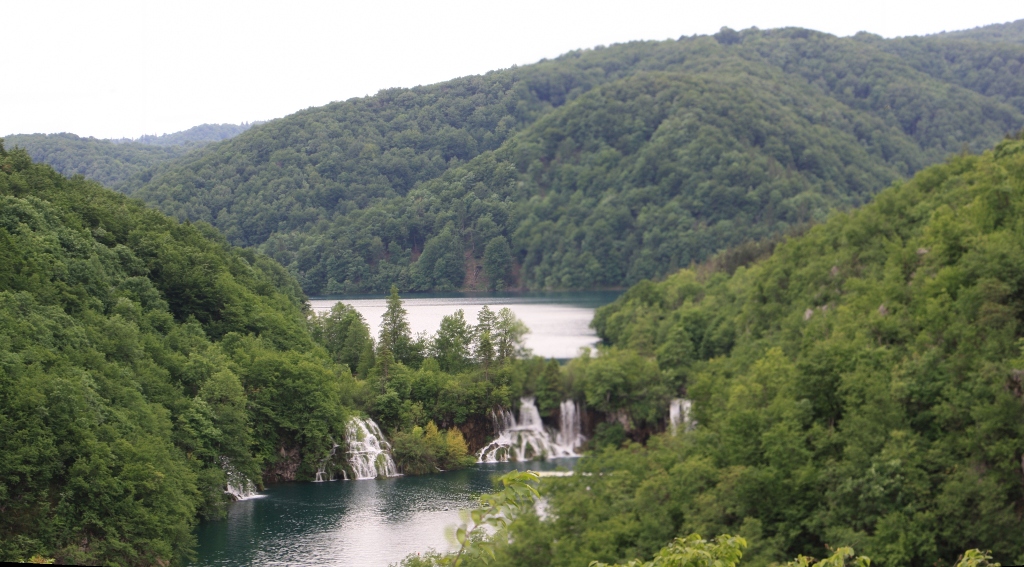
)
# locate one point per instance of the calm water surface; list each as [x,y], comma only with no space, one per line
[559,322]
[370,523]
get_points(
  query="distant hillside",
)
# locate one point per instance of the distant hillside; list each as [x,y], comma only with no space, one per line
[600,167]
[119,164]
[196,135]
[1010,32]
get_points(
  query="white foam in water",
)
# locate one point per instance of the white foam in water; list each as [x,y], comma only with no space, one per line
[238,485]
[528,439]
[369,453]
[679,414]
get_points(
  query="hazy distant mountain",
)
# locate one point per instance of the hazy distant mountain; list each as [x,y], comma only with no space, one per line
[118,164]
[197,135]
[1010,32]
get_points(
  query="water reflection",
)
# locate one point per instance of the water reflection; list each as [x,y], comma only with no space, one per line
[371,523]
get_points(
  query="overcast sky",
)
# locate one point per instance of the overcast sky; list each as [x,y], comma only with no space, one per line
[122,69]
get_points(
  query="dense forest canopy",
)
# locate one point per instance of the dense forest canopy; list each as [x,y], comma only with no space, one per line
[677,149]
[862,386]
[139,359]
[119,164]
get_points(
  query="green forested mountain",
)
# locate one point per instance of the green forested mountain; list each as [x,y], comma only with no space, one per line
[195,136]
[1010,32]
[862,386]
[598,168]
[119,164]
[140,359]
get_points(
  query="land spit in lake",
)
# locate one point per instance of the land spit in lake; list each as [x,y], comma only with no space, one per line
[559,322]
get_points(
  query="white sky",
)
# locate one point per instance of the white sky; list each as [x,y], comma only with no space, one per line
[116,69]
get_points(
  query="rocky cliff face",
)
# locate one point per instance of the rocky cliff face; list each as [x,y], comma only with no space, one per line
[285,467]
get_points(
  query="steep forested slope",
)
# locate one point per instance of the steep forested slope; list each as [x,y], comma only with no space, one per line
[141,359]
[861,386]
[736,135]
[119,164]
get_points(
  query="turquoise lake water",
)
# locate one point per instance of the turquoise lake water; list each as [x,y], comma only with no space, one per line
[371,523]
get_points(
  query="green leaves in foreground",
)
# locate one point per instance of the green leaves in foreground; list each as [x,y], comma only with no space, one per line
[496,513]
[693,551]
[519,492]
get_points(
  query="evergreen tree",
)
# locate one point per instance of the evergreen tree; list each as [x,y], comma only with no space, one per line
[451,345]
[509,332]
[484,333]
[395,336]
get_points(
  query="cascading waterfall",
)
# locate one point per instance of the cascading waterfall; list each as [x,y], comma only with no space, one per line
[570,427]
[679,415]
[369,453]
[321,471]
[528,439]
[239,487]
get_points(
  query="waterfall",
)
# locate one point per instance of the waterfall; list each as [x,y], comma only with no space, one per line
[321,471]
[239,487]
[679,414]
[369,453]
[570,429]
[528,439]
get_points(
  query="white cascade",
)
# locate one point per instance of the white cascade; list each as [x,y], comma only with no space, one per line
[321,471]
[570,426]
[528,438]
[369,453]
[239,487]
[679,415]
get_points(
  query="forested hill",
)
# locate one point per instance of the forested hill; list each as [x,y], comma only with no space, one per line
[194,136]
[141,361]
[119,164]
[1010,32]
[600,167]
[863,386]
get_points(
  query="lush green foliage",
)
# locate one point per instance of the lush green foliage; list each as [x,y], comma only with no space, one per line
[120,164]
[424,450]
[693,551]
[485,530]
[117,165]
[504,508]
[599,168]
[136,354]
[451,378]
[861,386]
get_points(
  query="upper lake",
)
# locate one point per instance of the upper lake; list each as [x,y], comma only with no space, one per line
[559,322]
